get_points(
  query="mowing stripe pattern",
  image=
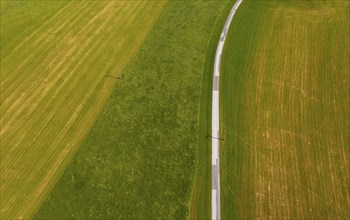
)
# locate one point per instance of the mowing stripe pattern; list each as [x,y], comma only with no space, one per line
[53,85]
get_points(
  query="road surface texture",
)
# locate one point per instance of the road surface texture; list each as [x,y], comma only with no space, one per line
[215,199]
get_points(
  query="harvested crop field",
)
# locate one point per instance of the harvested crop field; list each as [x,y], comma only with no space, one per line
[55,78]
[285,111]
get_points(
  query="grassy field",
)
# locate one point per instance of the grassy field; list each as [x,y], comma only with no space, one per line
[285,111]
[139,160]
[59,61]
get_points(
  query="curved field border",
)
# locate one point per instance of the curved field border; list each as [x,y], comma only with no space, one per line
[201,195]
[215,132]
[285,106]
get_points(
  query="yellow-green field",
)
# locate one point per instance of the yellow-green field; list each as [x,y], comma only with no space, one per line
[285,111]
[54,82]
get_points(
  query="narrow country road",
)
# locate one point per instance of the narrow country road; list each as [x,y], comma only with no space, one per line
[215,198]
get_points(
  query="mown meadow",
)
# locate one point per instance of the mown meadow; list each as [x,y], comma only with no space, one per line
[285,111]
[59,64]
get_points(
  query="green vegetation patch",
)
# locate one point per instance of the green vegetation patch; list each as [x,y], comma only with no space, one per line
[285,111]
[139,160]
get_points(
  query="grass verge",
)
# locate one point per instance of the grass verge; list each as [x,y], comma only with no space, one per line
[201,198]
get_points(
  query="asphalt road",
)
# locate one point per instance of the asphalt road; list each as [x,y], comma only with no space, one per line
[215,198]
